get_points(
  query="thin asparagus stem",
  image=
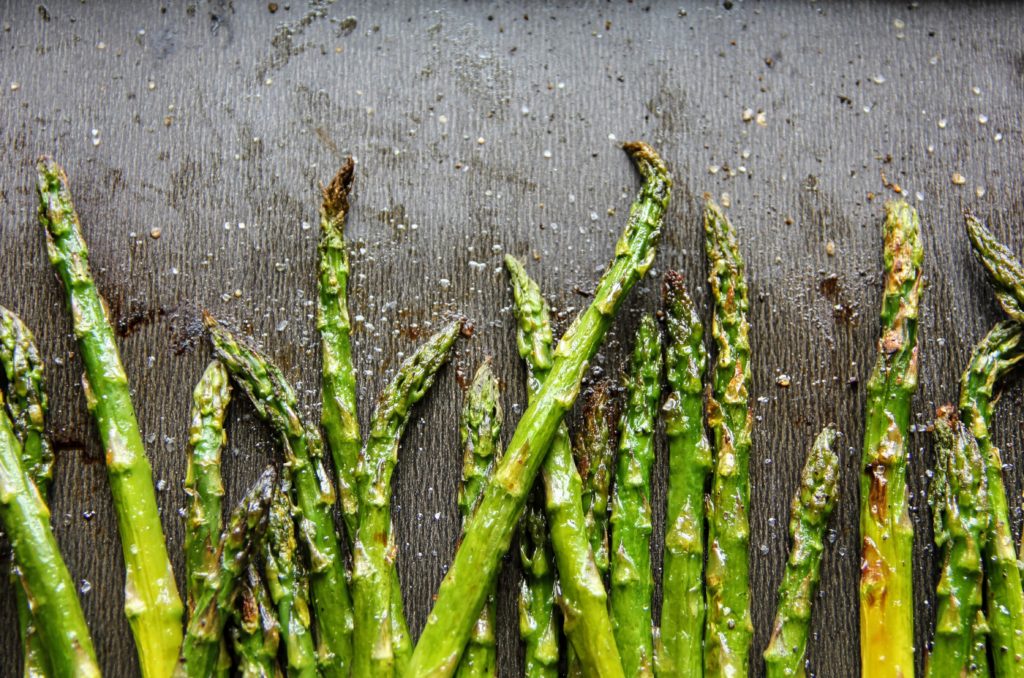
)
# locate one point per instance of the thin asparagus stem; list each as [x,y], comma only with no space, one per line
[152,604]
[538,623]
[256,633]
[463,592]
[594,451]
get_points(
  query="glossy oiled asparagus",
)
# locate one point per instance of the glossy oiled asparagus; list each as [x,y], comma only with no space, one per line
[256,632]
[632,580]
[887,535]
[463,591]
[680,647]
[480,428]
[808,517]
[373,555]
[275,402]
[1004,271]
[152,604]
[959,497]
[594,451]
[538,623]
[728,629]
[47,584]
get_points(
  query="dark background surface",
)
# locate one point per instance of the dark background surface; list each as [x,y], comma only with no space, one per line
[481,129]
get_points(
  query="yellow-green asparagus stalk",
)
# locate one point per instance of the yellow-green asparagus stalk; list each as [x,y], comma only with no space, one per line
[583,599]
[632,580]
[152,604]
[812,506]
[959,497]
[480,432]
[49,589]
[728,629]
[679,650]
[463,592]
[275,401]
[27,406]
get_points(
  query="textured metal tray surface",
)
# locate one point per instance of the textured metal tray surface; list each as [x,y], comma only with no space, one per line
[196,134]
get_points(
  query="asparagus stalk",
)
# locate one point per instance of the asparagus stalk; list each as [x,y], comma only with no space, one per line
[204,490]
[338,414]
[201,650]
[728,629]
[959,507]
[808,517]
[47,584]
[256,633]
[480,432]
[1004,271]
[680,647]
[275,401]
[152,604]
[995,356]
[27,406]
[463,591]
[583,599]
[594,451]
[286,585]
[887,535]
[538,624]
[632,581]
[373,556]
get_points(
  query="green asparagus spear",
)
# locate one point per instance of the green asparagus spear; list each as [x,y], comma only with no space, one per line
[538,624]
[373,556]
[49,589]
[480,432]
[256,632]
[275,401]
[201,650]
[995,356]
[583,599]
[808,517]
[594,451]
[632,581]
[680,646]
[27,405]
[338,416]
[463,592]
[204,490]
[728,629]
[959,497]
[1004,271]
[152,604]
[286,585]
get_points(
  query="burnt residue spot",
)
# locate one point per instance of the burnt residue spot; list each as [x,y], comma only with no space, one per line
[186,332]
[220,16]
[66,444]
[843,310]
[467,329]
[347,25]
[44,13]
[395,216]
[136,318]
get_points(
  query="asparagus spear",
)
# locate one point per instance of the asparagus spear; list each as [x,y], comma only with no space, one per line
[680,647]
[582,595]
[204,490]
[373,556]
[275,401]
[728,629]
[538,624]
[808,517]
[959,498]
[632,581]
[995,356]
[49,589]
[27,405]
[256,633]
[480,432]
[594,451]
[464,590]
[1004,271]
[286,585]
[201,650]
[338,415]
[887,536]
[152,604]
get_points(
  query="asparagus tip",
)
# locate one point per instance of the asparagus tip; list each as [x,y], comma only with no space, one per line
[337,191]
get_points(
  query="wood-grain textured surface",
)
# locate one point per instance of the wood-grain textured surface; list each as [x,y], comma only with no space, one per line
[485,128]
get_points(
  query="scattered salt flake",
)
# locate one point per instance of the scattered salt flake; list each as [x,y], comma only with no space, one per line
[481,141]
[748,114]
[942,123]
[726,200]
[282,326]
[976,90]
[155,233]
[783,380]
[998,136]
[878,79]
[85,586]
[934,60]
[982,119]
[445,283]
[899,24]
[713,169]
[830,248]
[958,179]
[920,196]
[15,86]
[761,119]
[547,153]
[979,191]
